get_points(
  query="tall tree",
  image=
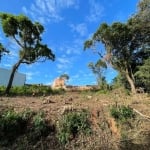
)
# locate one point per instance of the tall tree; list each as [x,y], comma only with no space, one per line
[126,44]
[28,37]
[117,40]
[140,25]
[143,75]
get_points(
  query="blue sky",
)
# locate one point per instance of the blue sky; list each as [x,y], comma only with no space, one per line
[67,23]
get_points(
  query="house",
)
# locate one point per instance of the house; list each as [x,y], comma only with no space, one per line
[19,78]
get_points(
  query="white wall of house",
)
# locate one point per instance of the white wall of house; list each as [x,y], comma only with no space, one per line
[19,78]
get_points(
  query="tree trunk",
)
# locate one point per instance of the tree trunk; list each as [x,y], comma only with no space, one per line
[131,82]
[9,85]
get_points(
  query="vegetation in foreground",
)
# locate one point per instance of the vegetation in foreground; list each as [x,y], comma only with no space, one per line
[114,126]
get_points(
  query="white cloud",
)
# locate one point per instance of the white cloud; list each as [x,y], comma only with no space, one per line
[96,11]
[69,49]
[64,64]
[31,75]
[49,10]
[82,78]
[81,29]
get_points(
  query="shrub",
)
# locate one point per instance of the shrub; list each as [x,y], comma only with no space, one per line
[2,89]
[11,125]
[72,124]
[39,123]
[32,125]
[122,112]
[27,114]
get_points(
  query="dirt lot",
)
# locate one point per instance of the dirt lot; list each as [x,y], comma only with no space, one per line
[55,104]
[97,103]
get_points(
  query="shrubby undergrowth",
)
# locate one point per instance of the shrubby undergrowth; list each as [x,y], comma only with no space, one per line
[72,124]
[29,123]
[121,112]
[31,90]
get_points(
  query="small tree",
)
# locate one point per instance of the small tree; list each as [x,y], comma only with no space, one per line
[98,69]
[27,36]
[65,76]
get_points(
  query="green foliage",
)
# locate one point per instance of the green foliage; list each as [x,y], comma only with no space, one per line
[27,114]
[31,90]
[2,90]
[65,76]
[39,124]
[121,113]
[98,69]
[116,39]
[13,124]
[143,75]
[72,124]
[21,90]
[2,51]
[120,81]
[27,35]
[126,44]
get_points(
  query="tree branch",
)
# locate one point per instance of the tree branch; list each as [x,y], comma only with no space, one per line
[18,42]
[145,116]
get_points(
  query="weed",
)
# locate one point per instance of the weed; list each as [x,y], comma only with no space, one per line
[27,114]
[122,112]
[11,125]
[72,124]
[28,123]
[39,122]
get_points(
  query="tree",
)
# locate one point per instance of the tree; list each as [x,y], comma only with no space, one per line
[126,44]
[27,36]
[65,76]
[120,81]
[140,25]
[117,40]
[143,75]
[98,69]
[2,51]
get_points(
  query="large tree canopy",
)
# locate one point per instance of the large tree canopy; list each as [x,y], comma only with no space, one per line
[120,49]
[28,37]
[126,44]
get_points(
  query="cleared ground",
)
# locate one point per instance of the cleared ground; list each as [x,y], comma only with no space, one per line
[98,104]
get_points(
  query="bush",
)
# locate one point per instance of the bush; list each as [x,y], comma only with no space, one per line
[31,90]
[39,123]
[32,125]
[27,114]
[72,124]
[122,112]
[2,90]
[11,125]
